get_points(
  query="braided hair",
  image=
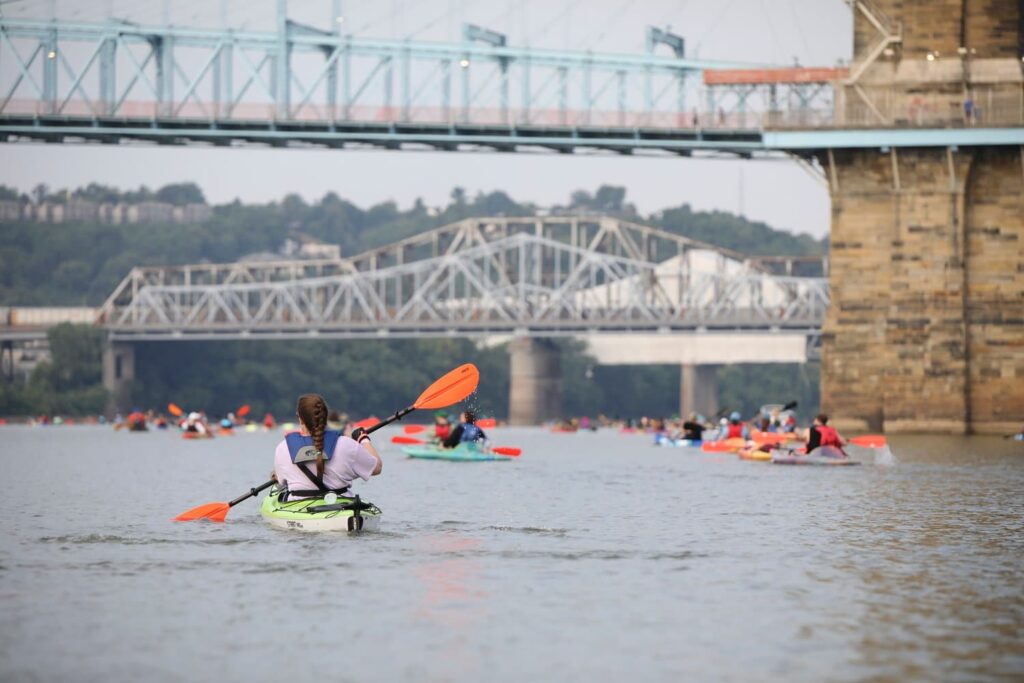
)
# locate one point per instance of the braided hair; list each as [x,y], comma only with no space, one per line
[312,410]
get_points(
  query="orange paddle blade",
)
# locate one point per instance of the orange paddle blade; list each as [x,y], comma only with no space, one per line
[869,441]
[407,440]
[212,511]
[506,450]
[487,423]
[414,429]
[243,411]
[173,409]
[452,388]
[366,422]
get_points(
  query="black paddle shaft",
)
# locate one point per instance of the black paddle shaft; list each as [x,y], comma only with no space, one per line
[397,416]
[252,492]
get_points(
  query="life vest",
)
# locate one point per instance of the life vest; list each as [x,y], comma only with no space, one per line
[301,448]
[442,431]
[470,432]
[302,451]
[735,431]
[829,436]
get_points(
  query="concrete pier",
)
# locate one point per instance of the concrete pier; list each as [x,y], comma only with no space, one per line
[118,375]
[535,387]
[698,390]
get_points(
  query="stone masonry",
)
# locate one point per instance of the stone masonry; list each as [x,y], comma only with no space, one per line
[926,328]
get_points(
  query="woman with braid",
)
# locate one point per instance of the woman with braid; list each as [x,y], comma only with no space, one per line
[315,460]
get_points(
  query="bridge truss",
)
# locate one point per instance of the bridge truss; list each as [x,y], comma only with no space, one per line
[538,277]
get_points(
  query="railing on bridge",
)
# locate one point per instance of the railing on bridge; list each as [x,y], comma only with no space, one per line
[477,277]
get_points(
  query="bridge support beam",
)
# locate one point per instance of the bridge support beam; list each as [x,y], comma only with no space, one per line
[925,324]
[698,390]
[118,375]
[535,387]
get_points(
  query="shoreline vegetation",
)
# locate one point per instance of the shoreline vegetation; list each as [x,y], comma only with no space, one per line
[85,260]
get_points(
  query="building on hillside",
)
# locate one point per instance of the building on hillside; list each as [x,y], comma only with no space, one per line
[304,246]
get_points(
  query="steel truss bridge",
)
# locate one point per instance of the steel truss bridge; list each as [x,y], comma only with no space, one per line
[117,82]
[547,276]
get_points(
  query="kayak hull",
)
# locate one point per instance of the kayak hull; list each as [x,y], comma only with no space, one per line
[662,440]
[459,453]
[755,454]
[825,456]
[295,515]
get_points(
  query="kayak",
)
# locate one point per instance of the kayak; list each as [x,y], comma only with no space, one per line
[319,514]
[461,453]
[825,455]
[195,435]
[662,440]
[754,453]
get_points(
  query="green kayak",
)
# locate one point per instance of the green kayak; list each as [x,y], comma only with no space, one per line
[319,514]
[461,453]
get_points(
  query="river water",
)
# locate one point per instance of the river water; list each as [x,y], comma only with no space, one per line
[594,557]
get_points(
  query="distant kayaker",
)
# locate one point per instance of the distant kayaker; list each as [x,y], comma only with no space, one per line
[693,429]
[465,432]
[736,428]
[442,427]
[194,423]
[315,460]
[820,434]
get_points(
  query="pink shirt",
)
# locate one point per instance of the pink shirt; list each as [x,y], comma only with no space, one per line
[349,462]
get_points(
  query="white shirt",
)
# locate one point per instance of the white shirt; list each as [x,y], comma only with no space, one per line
[349,462]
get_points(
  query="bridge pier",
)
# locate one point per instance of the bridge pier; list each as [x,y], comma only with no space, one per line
[924,330]
[535,386]
[925,325]
[118,375]
[698,390]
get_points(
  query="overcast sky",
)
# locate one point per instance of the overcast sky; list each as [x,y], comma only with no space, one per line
[817,32]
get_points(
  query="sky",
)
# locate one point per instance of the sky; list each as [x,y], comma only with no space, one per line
[779,192]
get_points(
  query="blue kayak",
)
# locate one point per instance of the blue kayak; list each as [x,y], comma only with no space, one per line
[662,440]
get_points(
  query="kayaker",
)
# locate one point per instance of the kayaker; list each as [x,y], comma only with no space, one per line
[465,432]
[736,428]
[268,421]
[315,460]
[820,434]
[194,423]
[442,427]
[693,430]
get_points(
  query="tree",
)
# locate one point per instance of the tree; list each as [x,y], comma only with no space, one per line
[181,194]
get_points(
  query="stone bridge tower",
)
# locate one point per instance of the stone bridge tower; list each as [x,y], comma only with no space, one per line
[926,327]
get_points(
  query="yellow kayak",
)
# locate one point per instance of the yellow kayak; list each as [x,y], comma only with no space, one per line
[754,453]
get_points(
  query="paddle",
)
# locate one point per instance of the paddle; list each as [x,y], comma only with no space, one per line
[869,441]
[243,411]
[414,429]
[452,388]
[174,410]
[506,450]
[407,440]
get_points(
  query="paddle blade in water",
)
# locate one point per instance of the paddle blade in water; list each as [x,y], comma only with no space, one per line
[869,441]
[174,410]
[507,450]
[487,423]
[212,511]
[408,440]
[243,411]
[452,388]
[414,429]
